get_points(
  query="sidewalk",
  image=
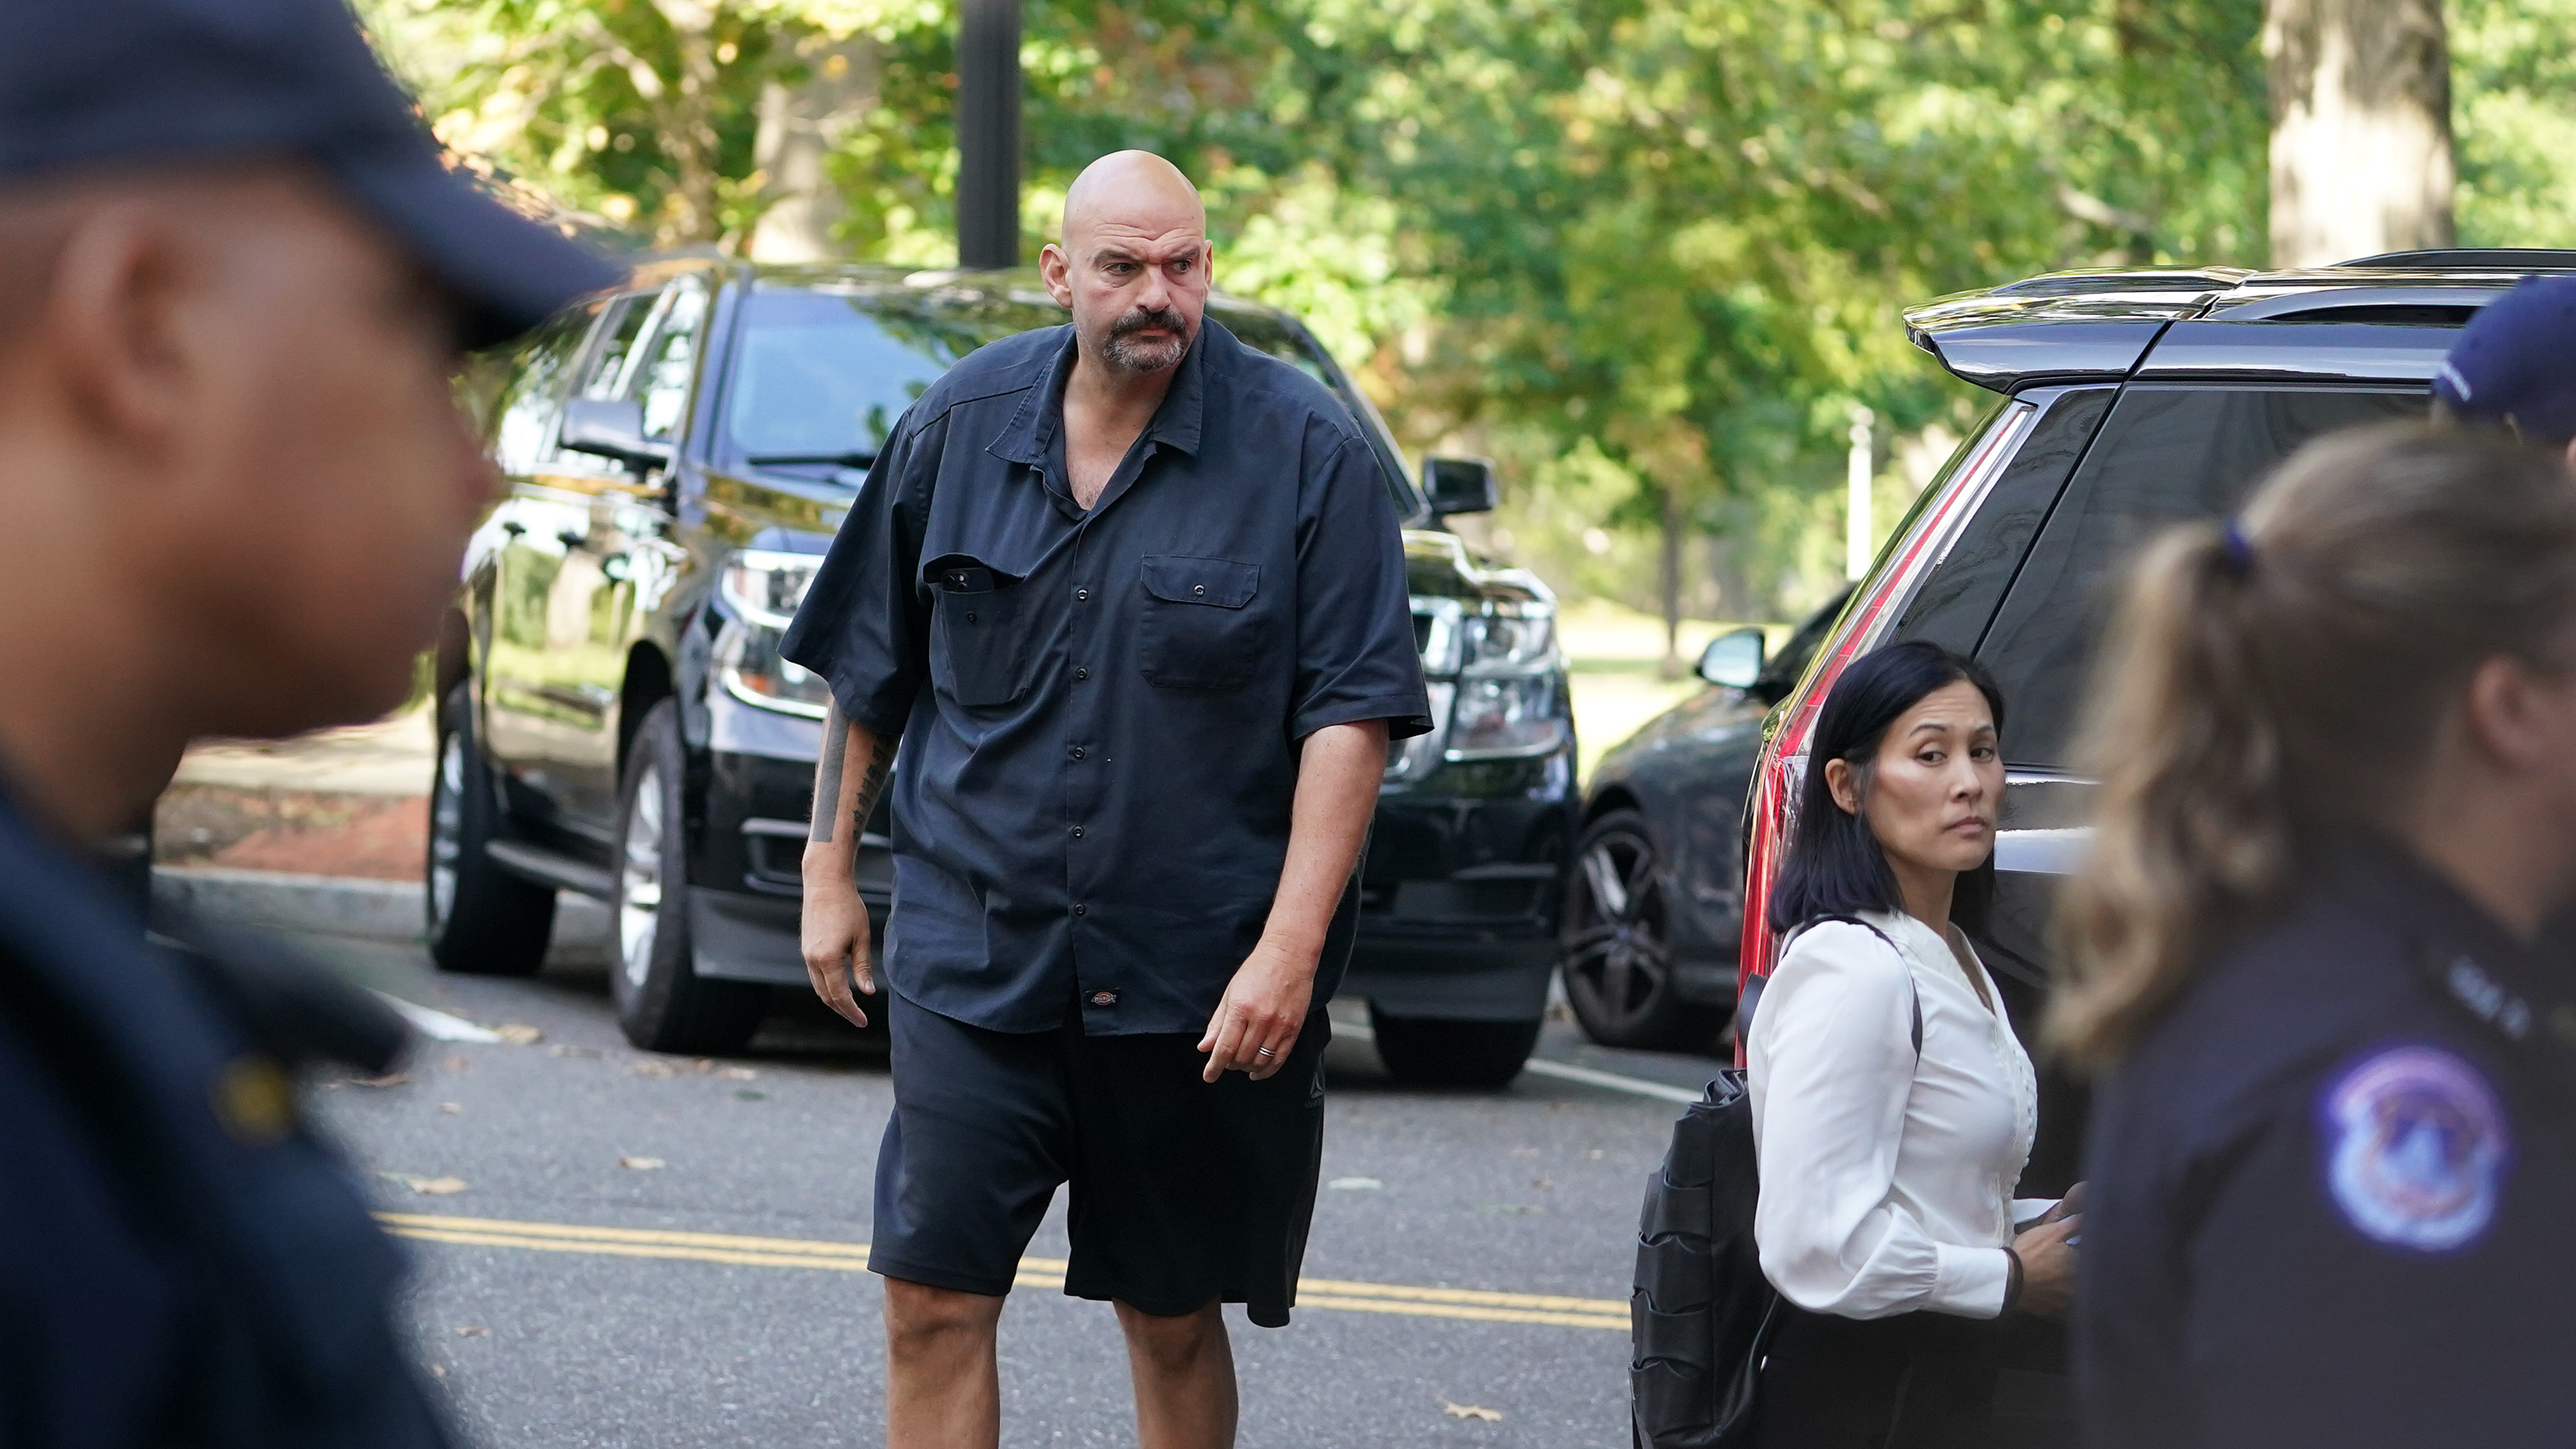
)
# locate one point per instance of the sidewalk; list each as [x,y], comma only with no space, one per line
[338,802]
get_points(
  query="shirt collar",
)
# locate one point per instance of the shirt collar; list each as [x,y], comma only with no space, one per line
[2393,883]
[1176,423]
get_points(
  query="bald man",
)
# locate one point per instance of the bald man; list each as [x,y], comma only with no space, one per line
[1132,598]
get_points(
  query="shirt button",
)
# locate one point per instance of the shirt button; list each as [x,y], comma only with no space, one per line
[970,616]
[1077,752]
[1081,594]
[1077,832]
[1082,674]
[1079,908]
[1198,588]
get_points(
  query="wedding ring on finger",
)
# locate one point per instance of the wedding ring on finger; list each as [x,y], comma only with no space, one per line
[1263,1052]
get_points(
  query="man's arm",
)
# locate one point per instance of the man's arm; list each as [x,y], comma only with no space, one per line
[1265,1006]
[848,780]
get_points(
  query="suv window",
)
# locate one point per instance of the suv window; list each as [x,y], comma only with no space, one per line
[532,392]
[2167,454]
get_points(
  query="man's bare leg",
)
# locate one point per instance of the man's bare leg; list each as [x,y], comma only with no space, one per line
[943,1389]
[1184,1372]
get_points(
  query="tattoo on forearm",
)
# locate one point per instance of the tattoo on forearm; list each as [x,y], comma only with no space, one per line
[872,784]
[827,774]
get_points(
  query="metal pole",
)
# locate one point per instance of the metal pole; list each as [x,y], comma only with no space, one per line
[1859,535]
[988,133]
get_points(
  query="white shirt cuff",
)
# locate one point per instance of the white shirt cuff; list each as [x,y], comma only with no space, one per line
[1969,1282]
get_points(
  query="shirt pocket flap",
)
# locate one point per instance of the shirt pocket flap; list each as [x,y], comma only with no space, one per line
[1181,580]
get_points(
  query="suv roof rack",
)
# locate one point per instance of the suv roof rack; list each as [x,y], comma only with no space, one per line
[2466,259]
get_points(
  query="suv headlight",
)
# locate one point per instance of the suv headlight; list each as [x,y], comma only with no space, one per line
[1511,693]
[762,590]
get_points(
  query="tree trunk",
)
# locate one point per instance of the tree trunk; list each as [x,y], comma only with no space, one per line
[799,127]
[2361,128]
[1670,580]
[685,119]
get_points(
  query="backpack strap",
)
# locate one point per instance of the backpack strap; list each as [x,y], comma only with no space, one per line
[1911,989]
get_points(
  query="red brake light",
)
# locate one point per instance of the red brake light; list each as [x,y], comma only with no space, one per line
[1776,778]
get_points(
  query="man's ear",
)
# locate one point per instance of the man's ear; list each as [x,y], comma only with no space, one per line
[1056,270]
[111,325]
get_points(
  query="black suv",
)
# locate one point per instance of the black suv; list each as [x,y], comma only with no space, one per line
[614,718]
[2131,400]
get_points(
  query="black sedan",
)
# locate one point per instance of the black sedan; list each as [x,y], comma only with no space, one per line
[1654,907]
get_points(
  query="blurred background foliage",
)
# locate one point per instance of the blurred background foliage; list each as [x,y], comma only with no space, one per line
[1648,254]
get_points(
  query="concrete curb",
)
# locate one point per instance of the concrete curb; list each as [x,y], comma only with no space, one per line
[332,905]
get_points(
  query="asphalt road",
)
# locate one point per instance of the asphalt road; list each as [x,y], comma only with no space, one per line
[617,1248]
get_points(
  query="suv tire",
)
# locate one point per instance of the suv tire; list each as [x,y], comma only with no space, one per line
[1428,1052]
[1615,951]
[481,919]
[662,1005]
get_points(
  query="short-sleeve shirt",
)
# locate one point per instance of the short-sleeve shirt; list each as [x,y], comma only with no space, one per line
[1101,710]
[2332,1196]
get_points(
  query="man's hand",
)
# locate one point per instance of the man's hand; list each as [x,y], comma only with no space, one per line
[835,937]
[1264,1009]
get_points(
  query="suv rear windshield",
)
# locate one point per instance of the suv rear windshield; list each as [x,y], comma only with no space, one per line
[824,374]
[2166,454]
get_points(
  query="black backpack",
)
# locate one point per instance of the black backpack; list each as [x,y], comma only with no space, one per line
[1702,1314]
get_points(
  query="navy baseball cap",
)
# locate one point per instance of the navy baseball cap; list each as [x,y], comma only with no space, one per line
[2516,362]
[93,84]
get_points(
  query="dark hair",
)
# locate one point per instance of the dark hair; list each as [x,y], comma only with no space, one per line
[1836,865]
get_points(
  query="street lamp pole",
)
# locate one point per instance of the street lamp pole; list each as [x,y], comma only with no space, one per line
[988,133]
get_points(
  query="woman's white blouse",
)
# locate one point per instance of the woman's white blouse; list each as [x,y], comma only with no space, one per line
[1886,1183]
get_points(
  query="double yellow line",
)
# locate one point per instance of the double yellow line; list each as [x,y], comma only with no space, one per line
[1475,1305]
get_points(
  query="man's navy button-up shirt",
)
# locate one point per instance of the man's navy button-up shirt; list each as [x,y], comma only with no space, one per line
[1101,710]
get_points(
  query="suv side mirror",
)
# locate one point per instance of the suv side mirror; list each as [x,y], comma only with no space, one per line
[1458,485]
[1733,659]
[612,428]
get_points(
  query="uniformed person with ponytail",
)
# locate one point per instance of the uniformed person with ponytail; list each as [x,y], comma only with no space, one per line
[2333,1164]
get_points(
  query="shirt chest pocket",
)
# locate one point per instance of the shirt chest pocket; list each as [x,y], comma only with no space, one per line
[981,633]
[1200,628]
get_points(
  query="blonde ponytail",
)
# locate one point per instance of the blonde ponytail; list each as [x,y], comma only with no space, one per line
[2262,690]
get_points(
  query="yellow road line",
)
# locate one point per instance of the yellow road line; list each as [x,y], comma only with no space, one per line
[1473,1304]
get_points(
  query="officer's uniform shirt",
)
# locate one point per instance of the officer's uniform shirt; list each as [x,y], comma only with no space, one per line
[1101,709]
[2333,1193]
[181,1259]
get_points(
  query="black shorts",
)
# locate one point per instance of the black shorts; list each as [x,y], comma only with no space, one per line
[1184,1192]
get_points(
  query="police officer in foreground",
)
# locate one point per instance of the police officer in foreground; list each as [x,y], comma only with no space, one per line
[234,283]
[2333,1161]
[1131,595]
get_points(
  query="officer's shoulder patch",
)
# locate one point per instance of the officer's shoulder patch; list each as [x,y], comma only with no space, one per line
[2416,1148]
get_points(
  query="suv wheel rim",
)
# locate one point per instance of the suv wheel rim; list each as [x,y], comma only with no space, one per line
[446,828]
[1616,955]
[639,894]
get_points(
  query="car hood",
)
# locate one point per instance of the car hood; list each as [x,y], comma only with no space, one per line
[1437,565]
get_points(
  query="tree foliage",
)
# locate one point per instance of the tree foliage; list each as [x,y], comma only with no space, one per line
[1647,253]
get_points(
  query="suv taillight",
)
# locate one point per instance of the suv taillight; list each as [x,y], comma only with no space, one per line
[1922,543]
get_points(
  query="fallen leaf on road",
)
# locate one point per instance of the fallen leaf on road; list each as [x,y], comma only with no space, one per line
[650,1068]
[1542,1184]
[739,1074]
[434,1186]
[438,1370]
[642,1164]
[1471,1411]
[518,1033]
[458,1063]
[746,1094]
[389,1079]
[593,1053]
[473,1333]
[1355,1184]
[451,1109]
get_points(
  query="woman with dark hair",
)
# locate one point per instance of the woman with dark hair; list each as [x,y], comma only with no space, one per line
[1893,1107]
[2334,1137]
